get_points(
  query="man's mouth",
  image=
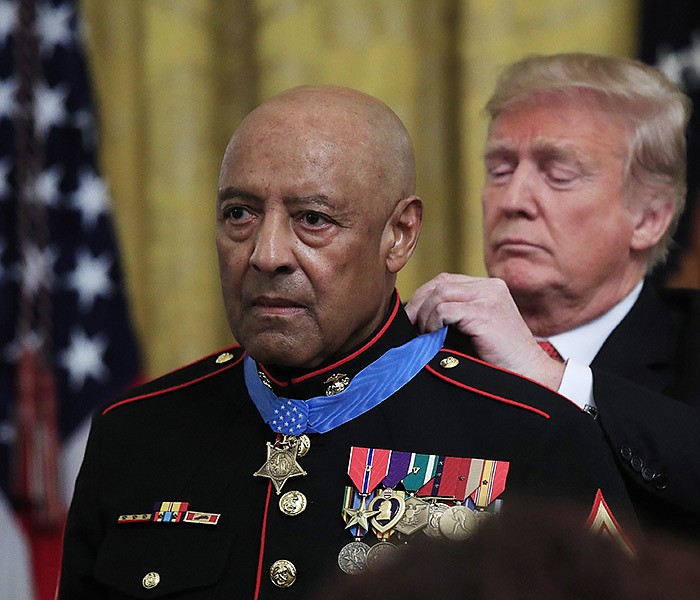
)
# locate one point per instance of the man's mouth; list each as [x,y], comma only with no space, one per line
[276,305]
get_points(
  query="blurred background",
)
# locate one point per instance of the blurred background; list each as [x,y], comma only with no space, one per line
[113,119]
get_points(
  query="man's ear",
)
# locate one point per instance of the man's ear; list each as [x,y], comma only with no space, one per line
[402,231]
[652,219]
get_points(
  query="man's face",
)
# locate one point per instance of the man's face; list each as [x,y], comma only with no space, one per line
[556,220]
[300,223]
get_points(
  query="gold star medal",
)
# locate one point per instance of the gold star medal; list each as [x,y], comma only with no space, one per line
[281,464]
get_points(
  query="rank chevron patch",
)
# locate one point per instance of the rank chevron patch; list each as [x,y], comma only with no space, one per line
[601,521]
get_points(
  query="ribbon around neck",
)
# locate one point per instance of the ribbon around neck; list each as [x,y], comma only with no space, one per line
[369,388]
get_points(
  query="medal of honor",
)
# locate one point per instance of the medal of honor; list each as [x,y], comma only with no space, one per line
[281,464]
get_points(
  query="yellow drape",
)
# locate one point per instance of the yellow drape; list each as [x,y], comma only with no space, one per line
[174,77]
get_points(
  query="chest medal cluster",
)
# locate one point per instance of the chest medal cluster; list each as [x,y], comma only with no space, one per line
[397,494]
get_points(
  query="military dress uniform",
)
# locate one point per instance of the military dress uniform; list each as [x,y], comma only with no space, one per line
[167,504]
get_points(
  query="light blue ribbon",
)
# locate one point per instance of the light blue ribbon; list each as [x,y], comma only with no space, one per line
[370,387]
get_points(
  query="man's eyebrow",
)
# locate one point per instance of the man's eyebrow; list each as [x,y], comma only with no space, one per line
[540,148]
[233,192]
[499,149]
[547,149]
[320,201]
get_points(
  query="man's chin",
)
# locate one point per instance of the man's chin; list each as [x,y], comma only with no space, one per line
[279,349]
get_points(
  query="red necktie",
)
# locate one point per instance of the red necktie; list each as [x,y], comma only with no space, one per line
[551,350]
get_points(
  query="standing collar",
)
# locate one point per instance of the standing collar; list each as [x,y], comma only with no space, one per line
[395,330]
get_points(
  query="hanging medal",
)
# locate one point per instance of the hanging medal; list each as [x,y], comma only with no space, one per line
[421,468]
[431,489]
[281,463]
[367,467]
[390,503]
[458,521]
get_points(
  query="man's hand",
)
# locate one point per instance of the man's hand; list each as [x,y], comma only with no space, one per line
[483,309]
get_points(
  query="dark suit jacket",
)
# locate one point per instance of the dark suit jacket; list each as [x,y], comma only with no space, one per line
[646,383]
[195,436]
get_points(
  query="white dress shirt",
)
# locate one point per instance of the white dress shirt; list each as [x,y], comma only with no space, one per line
[578,347]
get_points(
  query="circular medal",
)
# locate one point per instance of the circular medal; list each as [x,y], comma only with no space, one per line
[380,554]
[292,503]
[457,523]
[435,511]
[352,558]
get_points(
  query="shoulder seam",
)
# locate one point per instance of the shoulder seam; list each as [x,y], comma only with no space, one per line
[496,397]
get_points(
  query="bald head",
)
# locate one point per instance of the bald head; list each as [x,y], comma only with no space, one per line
[374,141]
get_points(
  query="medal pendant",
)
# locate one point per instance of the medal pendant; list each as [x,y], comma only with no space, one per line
[352,558]
[360,515]
[458,523]
[435,512]
[380,554]
[415,516]
[390,507]
[281,464]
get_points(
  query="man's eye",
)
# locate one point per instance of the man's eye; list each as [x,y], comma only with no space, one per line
[235,213]
[559,177]
[314,219]
[499,170]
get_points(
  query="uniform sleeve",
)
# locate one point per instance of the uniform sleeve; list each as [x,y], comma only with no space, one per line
[575,463]
[84,529]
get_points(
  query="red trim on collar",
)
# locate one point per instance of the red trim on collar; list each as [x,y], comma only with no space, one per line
[175,387]
[487,394]
[342,361]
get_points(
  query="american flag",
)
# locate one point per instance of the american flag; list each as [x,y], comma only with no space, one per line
[63,314]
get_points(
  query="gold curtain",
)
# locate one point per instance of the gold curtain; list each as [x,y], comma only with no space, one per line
[174,77]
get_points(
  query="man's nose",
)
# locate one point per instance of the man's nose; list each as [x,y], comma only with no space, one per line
[519,195]
[274,246]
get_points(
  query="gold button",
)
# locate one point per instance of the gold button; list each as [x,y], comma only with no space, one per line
[283,573]
[292,503]
[223,357]
[150,580]
[449,363]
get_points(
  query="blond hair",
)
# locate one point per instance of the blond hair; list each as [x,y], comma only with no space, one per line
[656,108]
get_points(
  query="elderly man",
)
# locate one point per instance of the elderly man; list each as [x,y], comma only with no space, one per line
[333,429]
[585,180]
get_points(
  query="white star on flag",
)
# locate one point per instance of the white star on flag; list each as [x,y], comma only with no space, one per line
[91,198]
[50,107]
[46,186]
[84,358]
[8,18]
[90,278]
[38,268]
[54,27]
